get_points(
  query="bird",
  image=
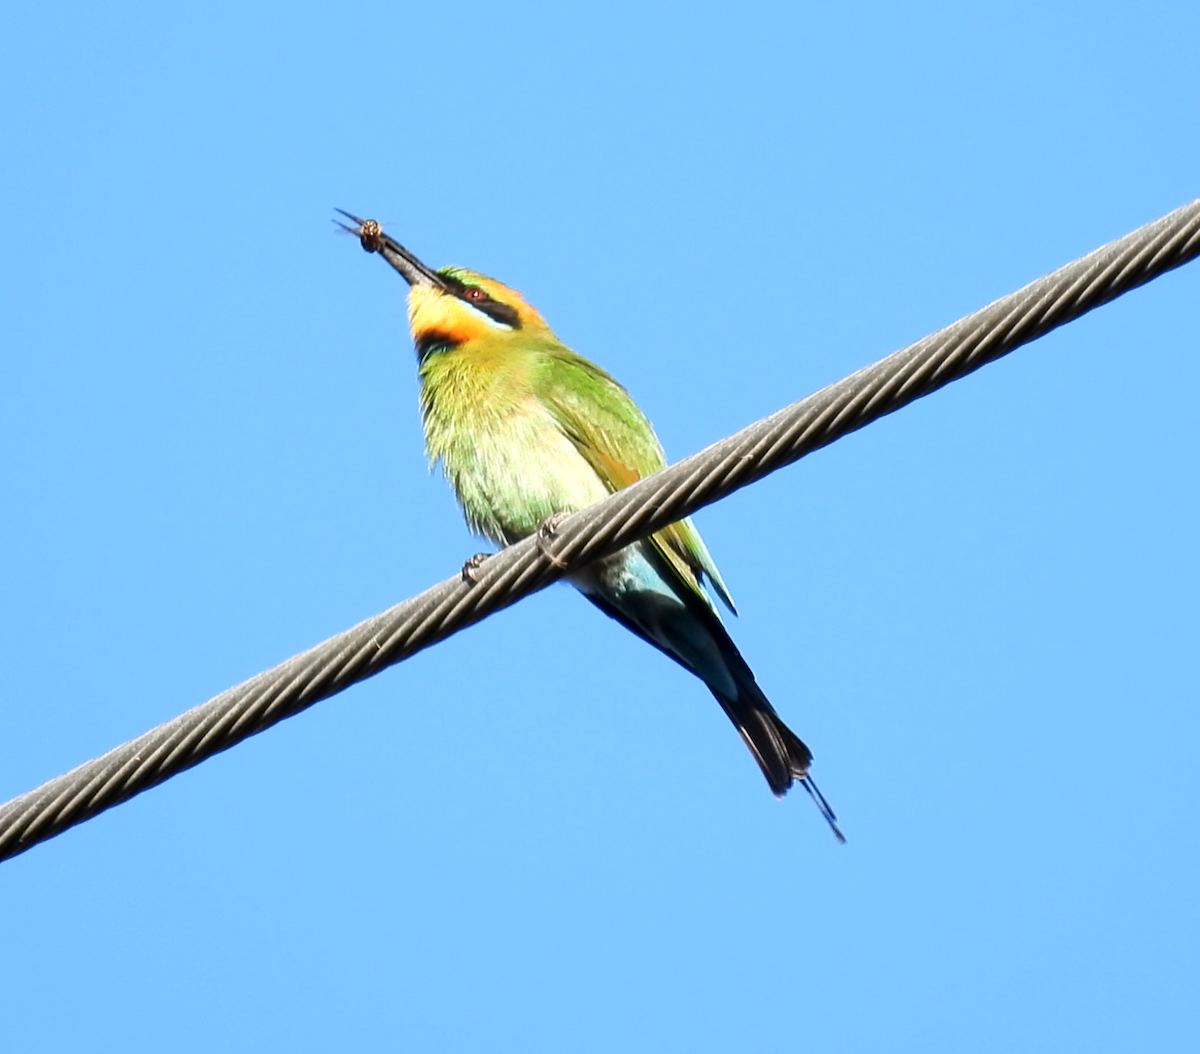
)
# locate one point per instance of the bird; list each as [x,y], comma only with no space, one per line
[526,430]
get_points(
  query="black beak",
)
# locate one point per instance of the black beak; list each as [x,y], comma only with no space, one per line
[373,240]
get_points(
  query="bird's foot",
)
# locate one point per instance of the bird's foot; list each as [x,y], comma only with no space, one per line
[470,570]
[546,534]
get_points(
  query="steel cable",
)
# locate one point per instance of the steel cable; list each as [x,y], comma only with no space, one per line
[630,514]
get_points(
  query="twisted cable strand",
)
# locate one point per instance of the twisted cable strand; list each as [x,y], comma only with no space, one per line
[708,476]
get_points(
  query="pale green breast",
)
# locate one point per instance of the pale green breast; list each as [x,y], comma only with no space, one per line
[501,448]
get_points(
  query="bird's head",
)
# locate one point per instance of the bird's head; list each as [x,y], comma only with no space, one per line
[461,307]
[452,307]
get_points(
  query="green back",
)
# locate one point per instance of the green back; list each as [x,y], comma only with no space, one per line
[613,435]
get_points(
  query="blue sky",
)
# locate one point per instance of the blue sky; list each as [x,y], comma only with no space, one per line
[541,835]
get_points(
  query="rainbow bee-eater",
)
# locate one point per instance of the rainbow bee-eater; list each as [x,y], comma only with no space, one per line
[525,429]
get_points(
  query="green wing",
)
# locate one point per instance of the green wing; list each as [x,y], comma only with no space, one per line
[615,438]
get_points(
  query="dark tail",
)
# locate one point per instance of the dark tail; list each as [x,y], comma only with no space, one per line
[781,754]
[688,631]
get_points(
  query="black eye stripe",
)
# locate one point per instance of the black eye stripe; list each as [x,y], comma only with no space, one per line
[502,313]
[498,312]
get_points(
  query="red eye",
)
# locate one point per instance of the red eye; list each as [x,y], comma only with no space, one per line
[476,294]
